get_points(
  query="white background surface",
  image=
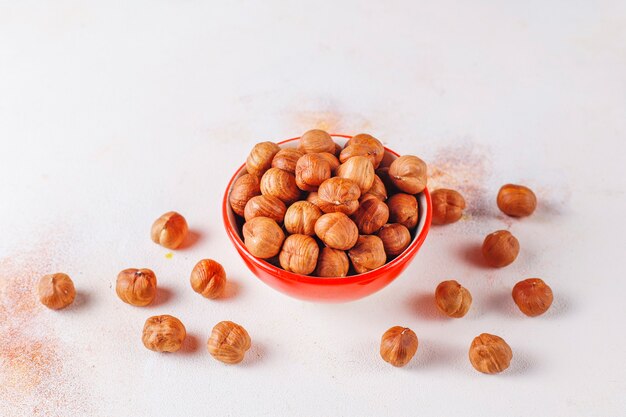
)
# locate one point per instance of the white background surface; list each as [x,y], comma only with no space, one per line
[112,114]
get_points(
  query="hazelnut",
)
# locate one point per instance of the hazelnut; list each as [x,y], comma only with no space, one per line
[56,291]
[403,210]
[500,248]
[265,206]
[398,345]
[280,184]
[136,287]
[383,174]
[331,159]
[377,190]
[313,197]
[338,149]
[365,197]
[490,354]
[286,159]
[338,195]
[208,278]
[408,173]
[368,254]
[332,263]
[260,158]
[228,342]
[263,237]
[364,145]
[516,200]
[301,217]
[337,231]
[163,333]
[169,230]
[371,216]
[452,299]
[299,254]
[246,187]
[396,238]
[315,141]
[532,296]
[360,170]
[448,206]
[311,170]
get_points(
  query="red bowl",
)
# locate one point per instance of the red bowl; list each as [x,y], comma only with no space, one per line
[327,289]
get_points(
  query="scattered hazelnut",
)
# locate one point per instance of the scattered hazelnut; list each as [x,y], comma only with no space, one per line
[452,299]
[377,190]
[364,145]
[368,254]
[398,345]
[403,210]
[265,206]
[311,170]
[337,231]
[163,333]
[208,278]
[396,238]
[490,354]
[371,216]
[286,159]
[532,296]
[260,158]
[299,254]
[500,248]
[448,206]
[136,287]
[338,195]
[332,160]
[315,141]
[246,187]
[228,342]
[332,263]
[263,237]
[360,170]
[516,200]
[408,173]
[280,184]
[169,230]
[301,217]
[56,291]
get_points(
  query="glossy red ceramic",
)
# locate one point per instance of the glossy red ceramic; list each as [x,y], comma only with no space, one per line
[327,289]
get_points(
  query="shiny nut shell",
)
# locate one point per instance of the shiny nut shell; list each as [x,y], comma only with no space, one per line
[245,187]
[263,237]
[409,174]
[280,184]
[265,206]
[228,342]
[208,278]
[367,254]
[360,170]
[301,217]
[338,195]
[299,254]
[337,231]
[332,263]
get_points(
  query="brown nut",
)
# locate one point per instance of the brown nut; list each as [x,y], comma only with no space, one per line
[408,173]
[263,237]
[398,345]
[360,170]
[260,158]
[332,160]
[403,210]
[136,287]
[371,216]
[169,230]
[396,238]
[368,254]
[246,187]
[315,141]
[364,145]
[301,217]
[228,342]
[516,200]
[490,354]
[452,299]
[532,296]
[299,254]
[332,263]
[337,231]
[208,278]
[313,197]
[312,170]
[286,159]
[163,334]
[377,190]
[500,248]
[448,206]
[280,184]
[265,206]
[383,174]
[56,291]
[338,195]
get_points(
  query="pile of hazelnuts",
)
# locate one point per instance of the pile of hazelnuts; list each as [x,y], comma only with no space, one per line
[323,210]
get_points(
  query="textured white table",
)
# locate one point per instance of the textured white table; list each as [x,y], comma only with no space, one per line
[111,114]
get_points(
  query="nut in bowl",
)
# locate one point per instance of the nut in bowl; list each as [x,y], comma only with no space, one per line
[328,289]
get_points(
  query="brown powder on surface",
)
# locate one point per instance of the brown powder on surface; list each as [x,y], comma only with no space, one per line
[332,122]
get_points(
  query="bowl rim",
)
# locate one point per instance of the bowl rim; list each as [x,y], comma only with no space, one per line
[353,279]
